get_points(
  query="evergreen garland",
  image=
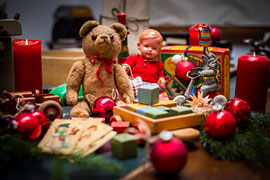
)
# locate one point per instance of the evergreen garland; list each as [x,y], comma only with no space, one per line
[251,142]
[15,149]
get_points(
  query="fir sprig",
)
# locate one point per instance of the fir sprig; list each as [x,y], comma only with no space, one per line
[15,149]
[251,142]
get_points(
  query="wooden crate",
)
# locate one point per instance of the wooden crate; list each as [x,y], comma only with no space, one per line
[157,125]
[56,65]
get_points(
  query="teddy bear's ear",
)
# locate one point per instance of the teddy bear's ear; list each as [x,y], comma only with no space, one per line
[87,27]
[120,29]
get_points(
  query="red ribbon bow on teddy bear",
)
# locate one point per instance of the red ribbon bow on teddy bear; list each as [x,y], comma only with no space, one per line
[108,64]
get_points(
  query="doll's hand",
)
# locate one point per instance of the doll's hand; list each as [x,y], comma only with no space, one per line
[125,66]
[161,82]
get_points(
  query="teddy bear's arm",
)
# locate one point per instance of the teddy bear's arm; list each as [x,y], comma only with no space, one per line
[74,81]
[122,84]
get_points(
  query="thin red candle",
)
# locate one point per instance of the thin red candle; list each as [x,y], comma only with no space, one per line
[252,81]
[27,65]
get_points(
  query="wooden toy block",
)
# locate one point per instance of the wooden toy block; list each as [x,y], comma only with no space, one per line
[155,114]
[124,146]
[163,108]
[143,110]
[148,94]
[179,110]
[133,107]
[120,126]
[186,134]
[167,103]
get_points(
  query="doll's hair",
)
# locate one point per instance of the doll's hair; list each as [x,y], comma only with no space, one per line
[151,33]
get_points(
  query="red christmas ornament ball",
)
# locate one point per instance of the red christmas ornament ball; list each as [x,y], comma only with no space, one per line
[216,34]
[220,125]
[43,120]
[168,154]
[28,126]
[181,70]
[103,107]
[239,108]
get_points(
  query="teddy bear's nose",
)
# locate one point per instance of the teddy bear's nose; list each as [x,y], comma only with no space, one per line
[104,37]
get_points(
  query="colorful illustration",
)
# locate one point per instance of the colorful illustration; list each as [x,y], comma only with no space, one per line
[59,139]
[62,136]
[93,131]
[174,86]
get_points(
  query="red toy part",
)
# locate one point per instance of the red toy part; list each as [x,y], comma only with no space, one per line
[120,126]
[141,130]
[9,101]
[115,118]
[51,109]
[193,34]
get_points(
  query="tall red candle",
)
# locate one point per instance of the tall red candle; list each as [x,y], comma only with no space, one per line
[27,64]
[252,81]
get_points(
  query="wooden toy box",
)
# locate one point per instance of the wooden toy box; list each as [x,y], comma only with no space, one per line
[158,125]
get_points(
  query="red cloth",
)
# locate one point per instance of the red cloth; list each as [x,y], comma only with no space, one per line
[149,71]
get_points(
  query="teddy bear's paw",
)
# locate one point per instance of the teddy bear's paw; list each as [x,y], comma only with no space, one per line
[79,113]
[127,99]
[120,103]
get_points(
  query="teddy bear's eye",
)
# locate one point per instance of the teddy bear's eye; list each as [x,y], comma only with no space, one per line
[112,38]
[94,36]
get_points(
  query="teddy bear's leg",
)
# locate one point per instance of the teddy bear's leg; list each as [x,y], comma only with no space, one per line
[81,109]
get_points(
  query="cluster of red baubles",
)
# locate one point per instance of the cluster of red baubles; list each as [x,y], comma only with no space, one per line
[222,124]
[30,125]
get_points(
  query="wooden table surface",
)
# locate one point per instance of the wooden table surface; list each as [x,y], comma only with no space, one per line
[200,165]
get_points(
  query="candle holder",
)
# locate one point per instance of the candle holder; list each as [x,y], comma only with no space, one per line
[27,65]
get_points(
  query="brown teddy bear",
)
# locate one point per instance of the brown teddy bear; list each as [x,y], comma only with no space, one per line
[98,72]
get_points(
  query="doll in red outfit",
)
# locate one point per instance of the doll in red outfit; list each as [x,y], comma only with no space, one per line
[147,64]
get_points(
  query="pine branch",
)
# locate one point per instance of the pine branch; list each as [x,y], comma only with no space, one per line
[251,142]
[13,149]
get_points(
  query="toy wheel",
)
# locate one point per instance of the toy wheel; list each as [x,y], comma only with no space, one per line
[51,109]
[63,101]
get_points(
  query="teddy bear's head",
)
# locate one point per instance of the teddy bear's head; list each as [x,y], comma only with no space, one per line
[103,41]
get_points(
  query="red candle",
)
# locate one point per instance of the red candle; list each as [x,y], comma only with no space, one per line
[27,65]
[252,81]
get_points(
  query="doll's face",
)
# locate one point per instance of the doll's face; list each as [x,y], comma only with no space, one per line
[149,48]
